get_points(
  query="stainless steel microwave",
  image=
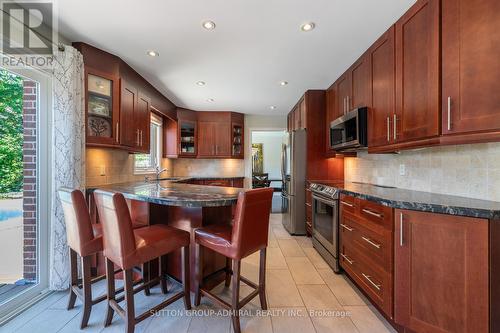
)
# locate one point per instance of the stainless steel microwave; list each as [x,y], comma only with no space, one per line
[350,132]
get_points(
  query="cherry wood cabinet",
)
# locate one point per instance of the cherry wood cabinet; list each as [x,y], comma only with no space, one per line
[366,244]
[343,94]
[128,105]
[382,110]
[331,115]
[418,73]
[441,276]
[187,133]
[143,121]
[470,68]
[361,81]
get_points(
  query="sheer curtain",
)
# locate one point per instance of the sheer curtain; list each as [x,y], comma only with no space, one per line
[68,152]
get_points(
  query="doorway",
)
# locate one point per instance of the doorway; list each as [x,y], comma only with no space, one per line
[266,163]
[24,174]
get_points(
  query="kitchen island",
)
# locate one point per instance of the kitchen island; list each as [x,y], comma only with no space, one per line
[180,205]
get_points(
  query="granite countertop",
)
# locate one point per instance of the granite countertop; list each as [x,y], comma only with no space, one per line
[173,193]
[420,201]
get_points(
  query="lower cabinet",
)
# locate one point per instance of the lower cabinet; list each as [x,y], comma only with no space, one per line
[366,238]
[225,182]
[441,275]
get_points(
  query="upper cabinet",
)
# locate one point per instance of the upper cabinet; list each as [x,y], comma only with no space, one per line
[204,135]
[417,73]
[119,102]
[471,68]
[102,107]
[382,111]
[360,83]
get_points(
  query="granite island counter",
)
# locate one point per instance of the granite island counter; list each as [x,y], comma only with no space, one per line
[180,205]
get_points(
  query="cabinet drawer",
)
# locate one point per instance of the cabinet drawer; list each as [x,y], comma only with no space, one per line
[376,283]
[378,214]
[348,203]
[377,247]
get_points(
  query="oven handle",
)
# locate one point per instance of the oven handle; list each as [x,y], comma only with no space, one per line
[331,202]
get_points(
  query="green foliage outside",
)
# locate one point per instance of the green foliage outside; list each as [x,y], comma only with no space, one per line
[11,132]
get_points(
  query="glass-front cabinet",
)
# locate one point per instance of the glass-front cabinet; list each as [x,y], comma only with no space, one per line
[187,138]
[237,142]
[101,109]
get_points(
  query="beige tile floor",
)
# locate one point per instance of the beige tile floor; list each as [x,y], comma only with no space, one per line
[303,293]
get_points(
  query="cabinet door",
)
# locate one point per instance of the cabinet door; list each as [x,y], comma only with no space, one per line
[344,91]
[143,120]
[471,65]
[223,139]
[331,112]
[206,138]
[382,60]
[296,118]
[417,72]
[303,113]
[128,105]
[187,136]
[360,83]
[441,273]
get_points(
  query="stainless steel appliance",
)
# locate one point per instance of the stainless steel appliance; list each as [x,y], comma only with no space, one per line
[349,132]
[325,223]
[293,172]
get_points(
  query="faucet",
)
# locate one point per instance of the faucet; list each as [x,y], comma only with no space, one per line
[159,171]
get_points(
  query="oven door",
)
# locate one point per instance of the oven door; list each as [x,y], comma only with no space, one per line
[325,223]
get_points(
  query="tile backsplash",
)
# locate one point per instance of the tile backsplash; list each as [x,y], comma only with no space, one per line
[108,166]
[208,167]
[468,170]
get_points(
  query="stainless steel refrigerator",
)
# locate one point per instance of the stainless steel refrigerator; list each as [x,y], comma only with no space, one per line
[293,172]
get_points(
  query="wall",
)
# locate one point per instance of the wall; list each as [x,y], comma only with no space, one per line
[468,170]
[208,167]
[108,166]
[271,141]
[258,123]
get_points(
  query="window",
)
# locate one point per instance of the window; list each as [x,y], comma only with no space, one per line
[147,163]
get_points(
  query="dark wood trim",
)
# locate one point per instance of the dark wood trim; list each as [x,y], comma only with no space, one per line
[428,142]
[494,283]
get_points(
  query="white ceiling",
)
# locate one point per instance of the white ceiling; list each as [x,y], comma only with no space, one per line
[257,44]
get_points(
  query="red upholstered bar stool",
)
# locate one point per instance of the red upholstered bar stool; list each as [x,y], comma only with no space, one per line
[248,235]
[126,248]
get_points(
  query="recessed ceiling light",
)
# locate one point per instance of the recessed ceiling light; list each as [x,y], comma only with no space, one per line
[210,99]
[307,26]
[152,53]
[283,83]
[272,107]
[201,83]
[209,25]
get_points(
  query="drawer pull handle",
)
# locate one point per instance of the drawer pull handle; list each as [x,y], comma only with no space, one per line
[347,204]
[346,227]
[369,241]
[367,211]
[347,259]
[368,278]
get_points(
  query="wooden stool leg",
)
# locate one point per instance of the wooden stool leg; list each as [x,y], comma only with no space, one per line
[146,277]
[262,279]
[163,274]
[87,290]
[110,278]
[236,296]
[227,282]
[129,299]
[199,274]
[73,268]
[186,277]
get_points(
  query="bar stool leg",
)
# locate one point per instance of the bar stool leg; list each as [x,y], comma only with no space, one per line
[227,282]
[199,274]
[262,279]
[73,268]
[236,296]
[146,277]
[163,274]
[87,291]
[129,299]
[186,277]
[110,278]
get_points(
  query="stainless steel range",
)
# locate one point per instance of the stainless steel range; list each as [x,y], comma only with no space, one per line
[325,223]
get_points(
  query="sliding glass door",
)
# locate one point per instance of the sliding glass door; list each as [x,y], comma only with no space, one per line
[24,188]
